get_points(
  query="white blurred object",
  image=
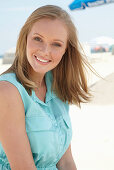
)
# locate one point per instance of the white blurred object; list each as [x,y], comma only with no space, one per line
[11,50]
[9,56]
[106,41]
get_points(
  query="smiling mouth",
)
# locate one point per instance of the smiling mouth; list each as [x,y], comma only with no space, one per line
[42,60]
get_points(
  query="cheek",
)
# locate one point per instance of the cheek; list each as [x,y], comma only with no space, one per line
[57,57]
[30,46]
[59,54]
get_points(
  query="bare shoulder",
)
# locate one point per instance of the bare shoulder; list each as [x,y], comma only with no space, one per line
[11,106]
[9,95]
[8,88]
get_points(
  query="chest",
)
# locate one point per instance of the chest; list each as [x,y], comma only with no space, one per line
[48,129]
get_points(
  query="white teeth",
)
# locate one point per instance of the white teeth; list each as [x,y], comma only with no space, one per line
[45,61]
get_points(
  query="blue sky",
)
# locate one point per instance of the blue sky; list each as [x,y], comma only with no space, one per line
[90,23]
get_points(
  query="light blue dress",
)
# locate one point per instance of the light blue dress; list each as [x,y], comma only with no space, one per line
[48,126]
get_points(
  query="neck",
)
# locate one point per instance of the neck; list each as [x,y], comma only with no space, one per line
[38,79]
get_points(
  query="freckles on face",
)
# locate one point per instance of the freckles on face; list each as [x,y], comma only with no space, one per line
[46,44]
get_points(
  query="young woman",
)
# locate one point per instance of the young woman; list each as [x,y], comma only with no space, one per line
[35,92]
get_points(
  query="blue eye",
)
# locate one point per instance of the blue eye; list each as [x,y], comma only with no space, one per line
[57,44]
[38,39]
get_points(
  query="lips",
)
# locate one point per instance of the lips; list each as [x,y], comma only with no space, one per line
[42,60]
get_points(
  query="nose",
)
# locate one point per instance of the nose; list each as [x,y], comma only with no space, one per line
[46,49]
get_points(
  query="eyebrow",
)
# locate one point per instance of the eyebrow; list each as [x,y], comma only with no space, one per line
[54,39]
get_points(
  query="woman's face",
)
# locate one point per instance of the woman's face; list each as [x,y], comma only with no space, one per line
[46,44]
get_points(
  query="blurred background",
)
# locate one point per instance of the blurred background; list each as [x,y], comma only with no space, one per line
[93,127]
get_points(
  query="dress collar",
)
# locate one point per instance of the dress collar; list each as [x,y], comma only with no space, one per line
[49,80]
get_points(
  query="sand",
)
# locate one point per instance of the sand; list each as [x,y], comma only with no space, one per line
[93,124]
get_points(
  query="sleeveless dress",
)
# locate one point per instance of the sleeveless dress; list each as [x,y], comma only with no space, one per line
[48,125]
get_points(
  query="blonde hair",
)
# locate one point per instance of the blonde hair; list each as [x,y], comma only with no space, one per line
[69,82]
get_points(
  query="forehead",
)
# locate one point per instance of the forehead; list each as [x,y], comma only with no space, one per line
[50,27]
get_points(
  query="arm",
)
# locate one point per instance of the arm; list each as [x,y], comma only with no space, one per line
[13,134]
[67,162]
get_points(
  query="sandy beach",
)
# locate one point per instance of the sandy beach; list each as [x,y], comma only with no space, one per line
[93,124]
[93,127]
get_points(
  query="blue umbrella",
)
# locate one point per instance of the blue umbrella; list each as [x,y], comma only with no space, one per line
[82,4]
